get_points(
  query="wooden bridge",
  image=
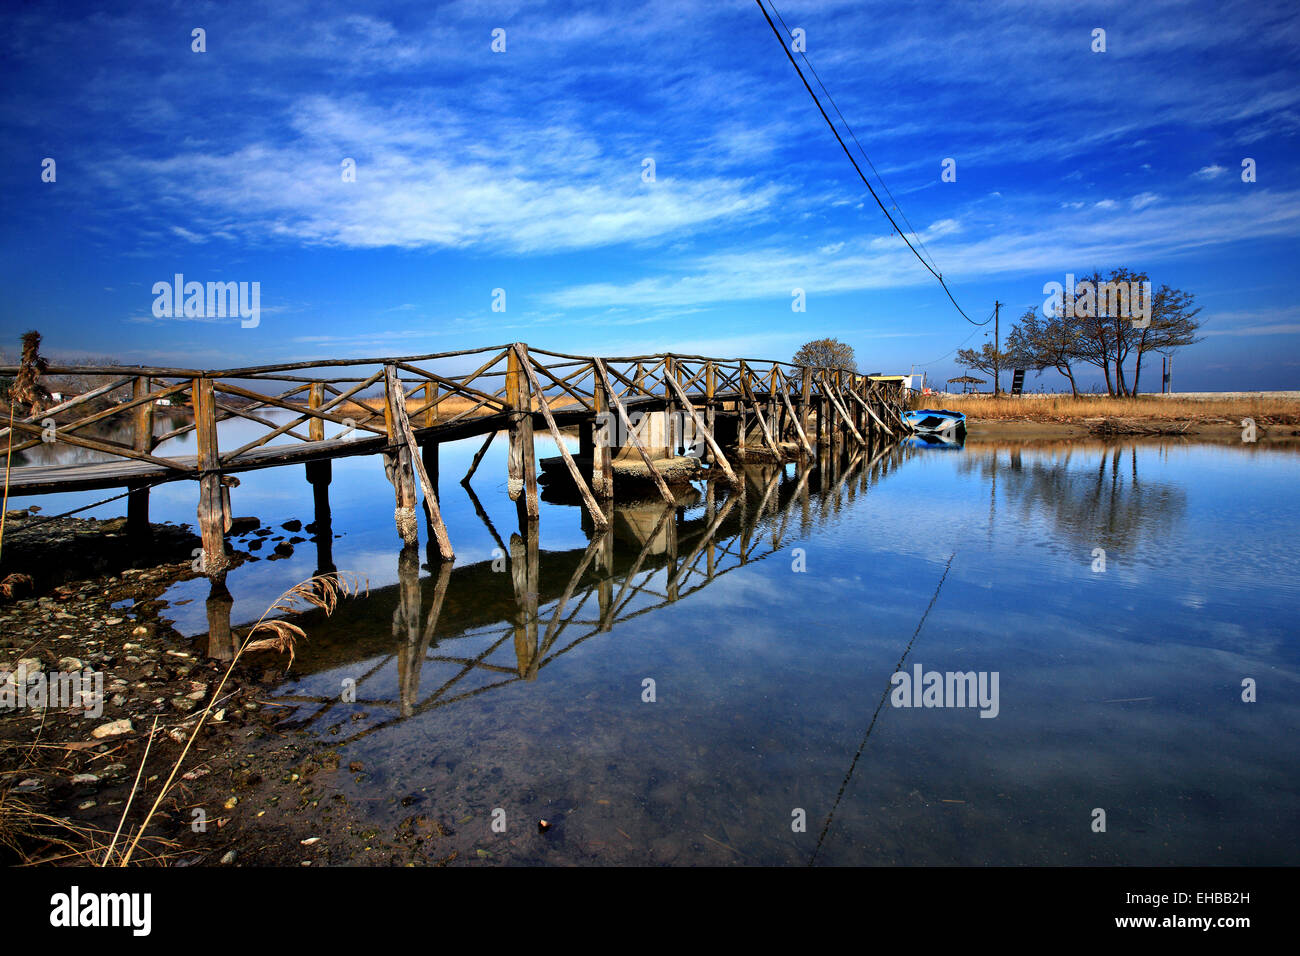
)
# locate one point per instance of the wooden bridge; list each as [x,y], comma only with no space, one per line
[647,411]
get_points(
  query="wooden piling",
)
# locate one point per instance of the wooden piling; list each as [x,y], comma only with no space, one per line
[521,468]
[137,502]
[602,446]
[710,389]
[211,512]
[401,432]
[805,394]
[397,466]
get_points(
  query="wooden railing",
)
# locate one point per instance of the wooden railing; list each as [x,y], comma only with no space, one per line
[403,407]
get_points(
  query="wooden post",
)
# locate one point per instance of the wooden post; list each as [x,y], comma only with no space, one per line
[805,393]
[602,446]
[834,415]
[670,418]
[137,503]
[710,387]
[430,395]
[774,410]
[429,450]
[315,399]
[211,513]
[521,469]
[837,383]
[593,509]
[402,432]
[397,461]
[821,417]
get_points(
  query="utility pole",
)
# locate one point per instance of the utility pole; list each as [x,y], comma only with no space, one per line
[997,348]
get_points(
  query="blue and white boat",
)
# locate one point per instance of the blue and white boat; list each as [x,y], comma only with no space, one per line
[939,422]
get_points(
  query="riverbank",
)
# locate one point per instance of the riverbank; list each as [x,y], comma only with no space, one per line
[1207,417]
[246,792]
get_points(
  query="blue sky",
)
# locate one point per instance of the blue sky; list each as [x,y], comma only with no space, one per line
[522,170]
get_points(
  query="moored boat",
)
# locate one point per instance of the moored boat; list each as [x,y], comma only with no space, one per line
[936,421]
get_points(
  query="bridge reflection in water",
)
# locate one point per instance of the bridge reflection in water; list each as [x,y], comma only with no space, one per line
[464,631]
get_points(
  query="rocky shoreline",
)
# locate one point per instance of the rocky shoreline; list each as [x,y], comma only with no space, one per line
[245,793]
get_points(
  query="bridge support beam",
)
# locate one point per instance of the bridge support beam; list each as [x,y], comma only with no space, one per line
[137,502]
[602,444]
[398,470]
[212,499]
[521,468]
[409,465]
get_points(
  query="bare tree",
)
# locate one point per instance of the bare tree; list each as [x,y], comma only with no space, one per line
[1045,343]
[1173,325]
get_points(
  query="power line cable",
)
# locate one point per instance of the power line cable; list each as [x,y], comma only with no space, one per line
[880,179]
[959,345]
[857,168]
[883,697]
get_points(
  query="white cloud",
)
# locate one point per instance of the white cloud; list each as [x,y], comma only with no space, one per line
[1053,244]
[1209,172]
[431,182]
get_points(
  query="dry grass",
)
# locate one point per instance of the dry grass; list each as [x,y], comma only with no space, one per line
[322,591]
[449,407]
[36,838]
[1262,409]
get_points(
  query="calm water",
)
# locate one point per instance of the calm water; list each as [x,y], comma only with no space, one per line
[521,686]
